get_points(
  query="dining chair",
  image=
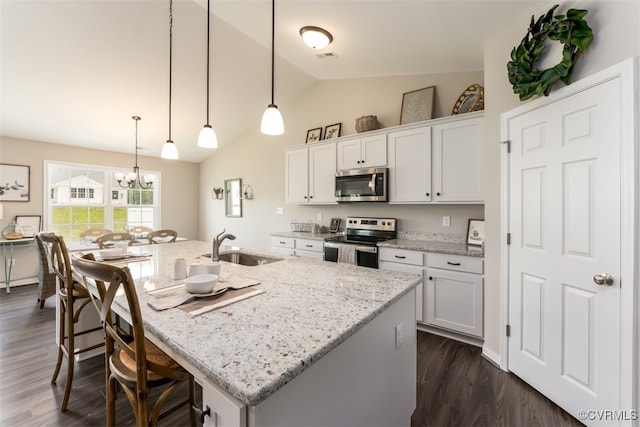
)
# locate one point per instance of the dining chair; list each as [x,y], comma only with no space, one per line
[46,275]
[94,233]
[137,365]
[74,297]
[162,236]
[139,231]
[109,239]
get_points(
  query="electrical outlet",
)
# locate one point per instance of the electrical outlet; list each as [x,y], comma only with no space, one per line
[279,211]
[319,216]
[398,331]
[13,262]
[446,221]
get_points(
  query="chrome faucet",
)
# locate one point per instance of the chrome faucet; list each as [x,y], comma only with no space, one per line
[217,241]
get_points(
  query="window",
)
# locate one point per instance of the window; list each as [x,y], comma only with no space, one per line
[79,200]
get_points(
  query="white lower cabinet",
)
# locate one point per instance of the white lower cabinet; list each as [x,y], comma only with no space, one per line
[451,296]
[290,246]
[407,262]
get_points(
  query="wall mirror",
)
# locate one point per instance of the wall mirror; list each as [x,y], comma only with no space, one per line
[232,199]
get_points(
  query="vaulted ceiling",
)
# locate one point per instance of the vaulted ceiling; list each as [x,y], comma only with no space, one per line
[74,72]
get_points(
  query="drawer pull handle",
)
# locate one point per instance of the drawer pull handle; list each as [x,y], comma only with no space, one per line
[453,263]
[430,277]
[202,414]
[400,256]
[282,243]
[309,246]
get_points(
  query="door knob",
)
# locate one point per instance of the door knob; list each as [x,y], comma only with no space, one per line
[603,279]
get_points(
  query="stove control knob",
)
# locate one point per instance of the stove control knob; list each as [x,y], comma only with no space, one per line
[384,223]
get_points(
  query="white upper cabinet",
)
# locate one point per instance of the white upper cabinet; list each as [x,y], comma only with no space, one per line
[457,160]
[410,165]
[310,174]
[370,151]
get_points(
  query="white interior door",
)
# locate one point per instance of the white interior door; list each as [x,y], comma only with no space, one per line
[565,227]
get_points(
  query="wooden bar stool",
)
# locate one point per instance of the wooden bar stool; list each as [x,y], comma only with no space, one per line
[74,297]
[136,365]
[162,236]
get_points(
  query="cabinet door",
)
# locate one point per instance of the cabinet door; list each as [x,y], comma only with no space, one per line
[453,300]
[386,265]
[349,154]
[322,174]
[457,160]
[296,176]
[410,166]
[374,151]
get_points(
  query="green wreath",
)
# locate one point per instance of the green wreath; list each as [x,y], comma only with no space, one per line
[570,30]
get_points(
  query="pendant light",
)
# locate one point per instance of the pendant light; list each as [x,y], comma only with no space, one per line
[208,137]
[133,178]
[272,123]
[169,150]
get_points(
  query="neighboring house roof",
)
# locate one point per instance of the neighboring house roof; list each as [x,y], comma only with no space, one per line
[79,181]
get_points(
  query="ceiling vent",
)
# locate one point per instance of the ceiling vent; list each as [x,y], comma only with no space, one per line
[327,55]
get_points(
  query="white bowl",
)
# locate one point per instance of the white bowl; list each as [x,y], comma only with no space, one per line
[200,283]
[111,252]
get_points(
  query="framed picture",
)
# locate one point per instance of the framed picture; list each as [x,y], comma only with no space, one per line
[332,131]
[335,225]
[417,105]
[29,223]
[314,135]
[14,183]
[475,232]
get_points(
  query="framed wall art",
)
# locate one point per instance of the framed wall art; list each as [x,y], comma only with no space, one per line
[14,183]
[332,131]
[30,224]
[475,232]
[314,135]
[417,105]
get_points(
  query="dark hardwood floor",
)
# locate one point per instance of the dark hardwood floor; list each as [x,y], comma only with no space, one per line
[455,385]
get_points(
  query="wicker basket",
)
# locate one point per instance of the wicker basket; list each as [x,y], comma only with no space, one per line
[367,123]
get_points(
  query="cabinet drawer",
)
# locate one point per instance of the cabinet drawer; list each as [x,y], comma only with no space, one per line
[283,242]
[402,256]
[456,263]
[310,245]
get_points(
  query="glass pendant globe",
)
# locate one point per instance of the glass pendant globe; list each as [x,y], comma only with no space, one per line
[272,123]
[169,151]
[207,137]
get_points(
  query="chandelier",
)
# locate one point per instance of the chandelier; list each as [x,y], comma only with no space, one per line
[133,178]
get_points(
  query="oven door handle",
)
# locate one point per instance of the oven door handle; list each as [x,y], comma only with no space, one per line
[368,249]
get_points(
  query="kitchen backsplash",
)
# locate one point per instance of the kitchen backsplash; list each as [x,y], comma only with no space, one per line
[434,237]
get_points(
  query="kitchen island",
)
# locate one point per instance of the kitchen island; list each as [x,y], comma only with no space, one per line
[325,344]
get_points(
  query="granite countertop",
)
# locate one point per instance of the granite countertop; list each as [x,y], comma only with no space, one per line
[255,346]
[452,248]
[301,235]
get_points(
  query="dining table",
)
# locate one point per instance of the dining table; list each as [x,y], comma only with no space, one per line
[315,342]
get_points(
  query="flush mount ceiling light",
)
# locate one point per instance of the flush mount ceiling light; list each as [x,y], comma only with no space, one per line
[316,37]
[169,149]
[272,123]
[133,178]
[208,137]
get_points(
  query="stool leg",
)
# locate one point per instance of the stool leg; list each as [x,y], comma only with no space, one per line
[70,355]
[62,314]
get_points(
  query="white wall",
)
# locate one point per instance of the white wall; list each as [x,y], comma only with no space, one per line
[259,159]
[616,26]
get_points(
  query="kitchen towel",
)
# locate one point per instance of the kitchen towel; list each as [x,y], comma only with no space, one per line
[347,254]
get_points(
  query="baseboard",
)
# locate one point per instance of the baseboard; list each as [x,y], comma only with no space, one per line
[491,356]
[478,342]
[22,282]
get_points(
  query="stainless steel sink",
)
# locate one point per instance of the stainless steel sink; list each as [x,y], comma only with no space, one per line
[244,258]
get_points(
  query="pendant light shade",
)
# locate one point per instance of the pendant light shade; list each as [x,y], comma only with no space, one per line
[272,123]
[208,137]
[169,149]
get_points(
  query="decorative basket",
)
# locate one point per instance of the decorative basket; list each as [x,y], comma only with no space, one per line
[305,227]
[367,123]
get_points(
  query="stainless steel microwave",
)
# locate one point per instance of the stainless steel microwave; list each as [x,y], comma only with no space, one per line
[362,185]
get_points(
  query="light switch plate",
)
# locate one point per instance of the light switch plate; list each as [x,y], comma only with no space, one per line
[446,221]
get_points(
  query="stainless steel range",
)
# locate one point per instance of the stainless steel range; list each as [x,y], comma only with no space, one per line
[358,245]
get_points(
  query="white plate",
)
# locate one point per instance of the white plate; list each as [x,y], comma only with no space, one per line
[211,294]
[112,257]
